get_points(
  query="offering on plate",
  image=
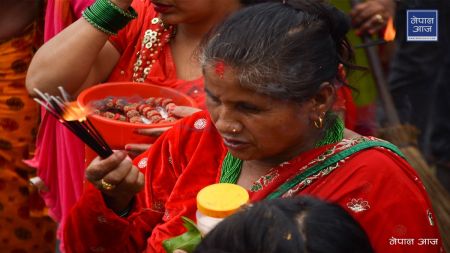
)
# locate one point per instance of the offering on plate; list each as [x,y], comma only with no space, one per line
[109,103]
[150,110]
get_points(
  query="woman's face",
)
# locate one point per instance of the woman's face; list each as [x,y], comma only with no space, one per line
[194,11]
[255,126]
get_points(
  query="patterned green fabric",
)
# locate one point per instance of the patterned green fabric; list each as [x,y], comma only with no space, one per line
[365,144]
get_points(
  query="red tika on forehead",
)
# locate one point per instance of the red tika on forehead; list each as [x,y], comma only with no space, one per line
[220,68]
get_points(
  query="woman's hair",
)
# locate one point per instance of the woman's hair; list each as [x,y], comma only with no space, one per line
[282,49]
[296,225]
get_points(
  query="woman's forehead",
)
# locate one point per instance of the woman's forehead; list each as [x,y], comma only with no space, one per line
[229,90]
[220,72]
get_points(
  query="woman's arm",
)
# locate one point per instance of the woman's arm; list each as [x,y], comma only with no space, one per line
[76,58]
[169,193]
[79,56]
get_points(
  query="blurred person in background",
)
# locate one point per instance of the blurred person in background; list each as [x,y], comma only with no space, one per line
[368,17]
[419,84]
[24,224]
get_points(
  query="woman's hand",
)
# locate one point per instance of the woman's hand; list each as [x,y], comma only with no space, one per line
[116,178]
[372,15]
[136,149]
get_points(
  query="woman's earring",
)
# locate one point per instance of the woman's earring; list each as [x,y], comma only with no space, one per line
[234,130]
[319,123]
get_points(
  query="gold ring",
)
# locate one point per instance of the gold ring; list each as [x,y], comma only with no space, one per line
[107,186]
[379,18]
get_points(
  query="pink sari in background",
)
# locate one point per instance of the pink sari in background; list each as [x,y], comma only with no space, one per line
[61,13]
[59,157]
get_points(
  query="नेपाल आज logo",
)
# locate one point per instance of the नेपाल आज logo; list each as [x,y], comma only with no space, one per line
[421,25]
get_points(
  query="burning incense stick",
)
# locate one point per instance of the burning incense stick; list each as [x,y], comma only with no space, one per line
[74,118]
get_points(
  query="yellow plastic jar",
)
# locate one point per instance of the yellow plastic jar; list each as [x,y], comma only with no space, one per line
[216,202]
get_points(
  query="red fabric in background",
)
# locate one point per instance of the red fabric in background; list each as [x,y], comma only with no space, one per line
[345,104]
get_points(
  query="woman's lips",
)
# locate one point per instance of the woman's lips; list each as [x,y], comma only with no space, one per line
[161,8]
[234,143]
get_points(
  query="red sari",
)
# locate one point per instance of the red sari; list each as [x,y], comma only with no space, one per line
[376,186]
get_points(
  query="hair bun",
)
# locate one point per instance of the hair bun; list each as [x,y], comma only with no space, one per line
[339,23]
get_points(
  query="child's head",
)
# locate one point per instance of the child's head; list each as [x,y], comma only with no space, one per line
[296,225]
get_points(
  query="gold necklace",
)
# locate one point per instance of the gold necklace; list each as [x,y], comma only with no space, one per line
[155,38]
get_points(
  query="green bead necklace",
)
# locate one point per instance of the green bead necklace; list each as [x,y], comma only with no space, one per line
[231,169]
[333,134]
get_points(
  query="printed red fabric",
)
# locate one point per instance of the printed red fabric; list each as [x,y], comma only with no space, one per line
[375,186]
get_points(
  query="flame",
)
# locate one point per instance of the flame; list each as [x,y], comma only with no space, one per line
[74,112]
[389,32]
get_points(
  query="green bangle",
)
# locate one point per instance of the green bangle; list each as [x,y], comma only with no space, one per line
[108,17]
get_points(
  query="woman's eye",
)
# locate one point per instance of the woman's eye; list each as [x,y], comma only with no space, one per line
[248,108]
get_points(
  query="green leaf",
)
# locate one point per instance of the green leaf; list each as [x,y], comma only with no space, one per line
[187,241]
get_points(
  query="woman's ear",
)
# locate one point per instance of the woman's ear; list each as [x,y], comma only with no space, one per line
[324,98]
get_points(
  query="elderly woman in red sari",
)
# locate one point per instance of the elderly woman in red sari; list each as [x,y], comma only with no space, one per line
[270,74]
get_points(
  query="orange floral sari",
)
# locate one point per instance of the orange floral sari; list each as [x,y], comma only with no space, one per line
[19,231]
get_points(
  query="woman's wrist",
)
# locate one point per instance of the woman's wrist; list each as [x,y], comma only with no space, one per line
[108,17]
[125,212]
[119,205]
